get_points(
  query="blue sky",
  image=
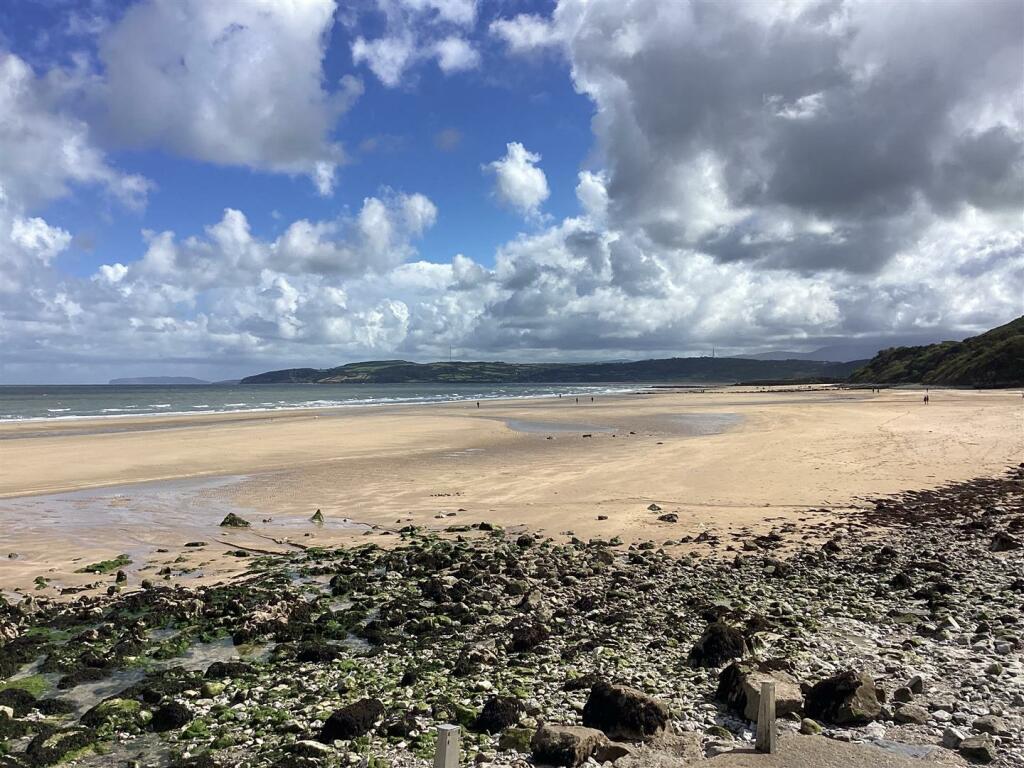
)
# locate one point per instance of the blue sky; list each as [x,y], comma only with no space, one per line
[215,189]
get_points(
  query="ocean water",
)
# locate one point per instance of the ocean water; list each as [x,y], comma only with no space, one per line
[114,401]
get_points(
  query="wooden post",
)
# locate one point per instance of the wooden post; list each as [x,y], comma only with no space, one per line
[447,755]
[767,735]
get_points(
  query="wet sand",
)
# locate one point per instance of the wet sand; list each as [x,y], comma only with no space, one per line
[725,459]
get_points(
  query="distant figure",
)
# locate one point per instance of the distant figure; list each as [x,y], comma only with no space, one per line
[591,399]
[477,403]
[926,399]
[577,400]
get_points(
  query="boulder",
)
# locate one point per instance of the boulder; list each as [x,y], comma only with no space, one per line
[991,724]
[231,520]
[565,745]
[719,644]
[978,749]
[499,713]
[624,713]
[912,713]
[849,698]
[353,720]
[1004,542]
[171,716]
[739,686]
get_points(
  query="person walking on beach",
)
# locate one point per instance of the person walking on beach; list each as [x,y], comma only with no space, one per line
[926,399]
[477,403]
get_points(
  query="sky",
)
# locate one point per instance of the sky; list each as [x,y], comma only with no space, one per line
[215,189]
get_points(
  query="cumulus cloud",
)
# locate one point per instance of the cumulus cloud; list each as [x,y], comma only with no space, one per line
[456,55]
[45,150]
[237,83]
[812,135]
[518,181]
[416,31]
[526,32]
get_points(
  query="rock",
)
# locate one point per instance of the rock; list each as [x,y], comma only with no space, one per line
[515,740]
[527,635]
[118,713]
[912,713]
[318,518]
[232,520]
[353,720]
[952,738]
[739,686]
[318,653]
[916,684]
[624,713]
[171,716]
[311,749]
[612,751]
[991,724]
[1004,542]
[809,727]
[849,698]
[979,749]
[719,644]
[653,508]
[902,695]
[19,701]
[669,517]
[6,713]
[565,745]
[221,669]
[498,713]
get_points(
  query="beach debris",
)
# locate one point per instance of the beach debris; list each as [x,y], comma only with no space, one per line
[231,520]
[318,517]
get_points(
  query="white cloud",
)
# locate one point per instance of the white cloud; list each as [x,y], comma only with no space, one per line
[175,78]
[526,32]
[456,55]
[518,181]
[387,57]
[44,150]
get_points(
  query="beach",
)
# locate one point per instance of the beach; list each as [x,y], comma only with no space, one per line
[720,460]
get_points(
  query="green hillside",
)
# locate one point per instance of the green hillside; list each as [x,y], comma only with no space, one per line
[678,369]
[993,359]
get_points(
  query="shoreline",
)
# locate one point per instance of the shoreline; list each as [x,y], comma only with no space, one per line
[802,457]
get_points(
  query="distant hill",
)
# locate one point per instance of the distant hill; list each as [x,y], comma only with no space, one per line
[158,380]
[993,359]
[692,369]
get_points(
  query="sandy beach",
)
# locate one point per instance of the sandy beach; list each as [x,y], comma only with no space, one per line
[723,460]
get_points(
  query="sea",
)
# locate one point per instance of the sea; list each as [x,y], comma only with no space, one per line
[22,403]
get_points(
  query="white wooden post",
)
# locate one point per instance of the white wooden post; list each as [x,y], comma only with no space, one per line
[767,735]
[447,755]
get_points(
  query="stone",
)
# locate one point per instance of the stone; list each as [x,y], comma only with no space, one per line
[718,644]
[6,713]
[739,686]
[515,740]
[809,727]
[171,716]
[565,745]
[1004,542]
[912,713]
[849,698]
[118,713]
[356,719]
[311,749]
[979,749]
[498,713]
[624,713]
[669,517]
[318,518]
[952,738]
[991,724]
[902,694]
[612,751]
[231,520]
[916,684]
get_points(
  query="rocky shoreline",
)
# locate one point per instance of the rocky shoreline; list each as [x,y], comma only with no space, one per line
[904,630]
